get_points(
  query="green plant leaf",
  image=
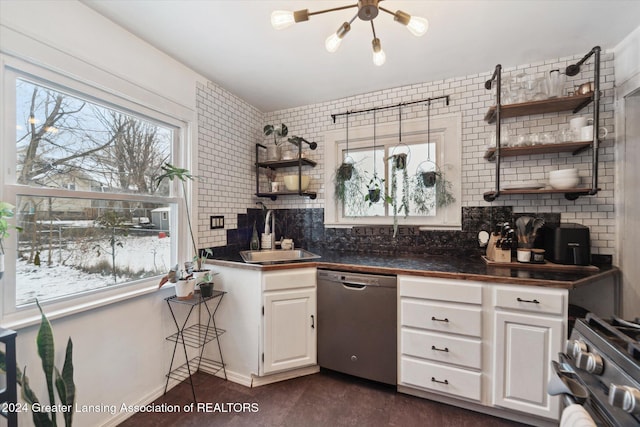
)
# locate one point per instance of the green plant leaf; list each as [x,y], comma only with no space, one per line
[46,352]
[40,419]
[65,385]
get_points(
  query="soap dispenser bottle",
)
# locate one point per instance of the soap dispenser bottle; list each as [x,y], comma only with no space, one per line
[255,241]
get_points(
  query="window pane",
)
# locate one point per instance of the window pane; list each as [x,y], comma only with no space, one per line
[363,161]
[68,246]
[63,141]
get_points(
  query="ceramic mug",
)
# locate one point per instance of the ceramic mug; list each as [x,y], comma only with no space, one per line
[577,123]
[586,133]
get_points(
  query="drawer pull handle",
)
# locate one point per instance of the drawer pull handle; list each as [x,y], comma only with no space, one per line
[445,382]
[313,322]
[439,320]
[532,301]
[446,349]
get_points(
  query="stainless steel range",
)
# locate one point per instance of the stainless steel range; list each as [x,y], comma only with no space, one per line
[603,355]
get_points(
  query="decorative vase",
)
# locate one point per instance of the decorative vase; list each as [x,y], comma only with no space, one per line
[274,152]
[185,288]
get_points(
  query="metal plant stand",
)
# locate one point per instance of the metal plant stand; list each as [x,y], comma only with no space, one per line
[195,336]
[9,395]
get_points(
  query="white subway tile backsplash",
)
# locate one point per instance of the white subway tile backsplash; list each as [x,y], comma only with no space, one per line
[228,129]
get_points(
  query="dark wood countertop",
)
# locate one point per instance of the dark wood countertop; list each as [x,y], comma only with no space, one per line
[447,267]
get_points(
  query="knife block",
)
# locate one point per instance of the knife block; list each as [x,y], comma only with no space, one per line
[491,246]
[502,255]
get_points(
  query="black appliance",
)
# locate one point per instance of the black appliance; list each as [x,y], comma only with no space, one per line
[567,243]
[603,356]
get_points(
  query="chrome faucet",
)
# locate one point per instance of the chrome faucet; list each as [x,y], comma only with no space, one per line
[270,229]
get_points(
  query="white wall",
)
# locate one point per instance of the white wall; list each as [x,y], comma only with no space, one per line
[121,355]
[627,66]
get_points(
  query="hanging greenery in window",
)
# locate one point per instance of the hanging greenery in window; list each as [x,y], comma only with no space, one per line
[348,182]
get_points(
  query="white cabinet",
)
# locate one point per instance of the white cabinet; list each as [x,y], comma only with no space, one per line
[529,325]
[481,345]
[267,313]
[289,316]
[440,336]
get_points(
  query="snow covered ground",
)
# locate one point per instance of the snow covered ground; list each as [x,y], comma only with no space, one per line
[145,255]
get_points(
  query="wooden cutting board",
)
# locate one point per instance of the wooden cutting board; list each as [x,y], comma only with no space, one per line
[547,265]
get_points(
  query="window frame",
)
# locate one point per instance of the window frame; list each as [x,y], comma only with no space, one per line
[147,105]
[446,132]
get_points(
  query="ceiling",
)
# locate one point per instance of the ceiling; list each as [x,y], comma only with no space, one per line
[233,44]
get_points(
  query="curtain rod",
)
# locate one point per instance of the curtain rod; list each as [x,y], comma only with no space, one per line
[333,116]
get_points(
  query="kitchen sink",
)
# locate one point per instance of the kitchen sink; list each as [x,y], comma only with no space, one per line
[271,256]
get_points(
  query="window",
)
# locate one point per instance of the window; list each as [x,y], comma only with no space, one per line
[81,170]
[372,161]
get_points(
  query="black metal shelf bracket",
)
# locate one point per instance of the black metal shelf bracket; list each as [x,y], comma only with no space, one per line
[571,70]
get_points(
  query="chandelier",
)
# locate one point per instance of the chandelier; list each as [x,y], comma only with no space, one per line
[367,11]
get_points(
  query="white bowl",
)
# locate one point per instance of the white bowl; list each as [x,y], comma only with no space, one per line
[291,182]
[563,173]
[564,182]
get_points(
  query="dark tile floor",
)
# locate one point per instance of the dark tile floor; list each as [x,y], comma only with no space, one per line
[324,399]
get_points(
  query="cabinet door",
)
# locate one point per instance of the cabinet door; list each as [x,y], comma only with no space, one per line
[289,329]
[524,347]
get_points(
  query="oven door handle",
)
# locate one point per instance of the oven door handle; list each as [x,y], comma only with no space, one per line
[563,384]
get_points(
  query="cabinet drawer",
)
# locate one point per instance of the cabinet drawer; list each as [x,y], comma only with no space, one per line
[527,298]
[441,379]
[465,352]
[441,317]
[289,279]
[440,289]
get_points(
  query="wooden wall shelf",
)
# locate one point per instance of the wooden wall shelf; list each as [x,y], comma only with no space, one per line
[552,105]
[561,147]
[569,193]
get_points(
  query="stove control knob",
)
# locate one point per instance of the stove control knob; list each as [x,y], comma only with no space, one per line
[590,362]
[575,347]
[625,397]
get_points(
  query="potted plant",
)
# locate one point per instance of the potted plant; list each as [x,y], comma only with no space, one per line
[399,163]
[6,211]
[182,279]
[374,191]
[205,283]
[348,183]
[278,132]
[58,380]
[431,189]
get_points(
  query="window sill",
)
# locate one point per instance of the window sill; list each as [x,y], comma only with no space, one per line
[30,315]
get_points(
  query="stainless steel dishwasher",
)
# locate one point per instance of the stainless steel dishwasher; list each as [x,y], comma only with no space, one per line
[357,324]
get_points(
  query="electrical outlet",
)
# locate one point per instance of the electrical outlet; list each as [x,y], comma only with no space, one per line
[216,221]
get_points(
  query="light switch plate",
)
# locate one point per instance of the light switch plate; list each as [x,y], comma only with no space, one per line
[216,221]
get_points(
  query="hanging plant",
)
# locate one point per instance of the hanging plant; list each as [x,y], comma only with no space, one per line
[375,191]
[428,195]
[398,207]
[348,190]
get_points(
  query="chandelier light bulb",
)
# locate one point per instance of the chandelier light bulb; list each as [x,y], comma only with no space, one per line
[379,56]
[332,43]
[418,26]
[281,19]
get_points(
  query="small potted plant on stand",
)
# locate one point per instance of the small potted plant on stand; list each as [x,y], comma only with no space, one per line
[184,281]
[274,152]
[6,211]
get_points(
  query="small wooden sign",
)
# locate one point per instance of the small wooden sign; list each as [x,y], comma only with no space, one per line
[385,230]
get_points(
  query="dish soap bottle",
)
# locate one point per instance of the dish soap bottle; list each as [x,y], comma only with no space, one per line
[255,242]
